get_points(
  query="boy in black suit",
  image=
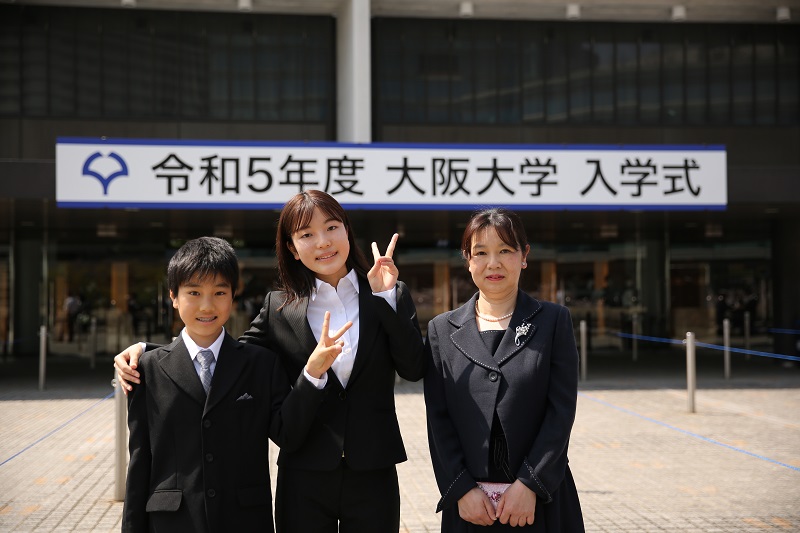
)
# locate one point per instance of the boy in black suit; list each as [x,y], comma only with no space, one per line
[200,418]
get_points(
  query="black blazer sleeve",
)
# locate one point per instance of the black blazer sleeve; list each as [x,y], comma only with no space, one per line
[258,332]
[405,338]
[545,465]
[447,456]
[293,409]
[137,485]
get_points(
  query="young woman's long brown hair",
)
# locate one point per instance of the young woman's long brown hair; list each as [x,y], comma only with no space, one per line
[294,278]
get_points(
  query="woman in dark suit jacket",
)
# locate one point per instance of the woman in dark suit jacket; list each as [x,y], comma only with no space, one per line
[500,394]
[344,475]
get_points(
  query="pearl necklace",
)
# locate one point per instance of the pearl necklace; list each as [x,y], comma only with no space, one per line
[488,318]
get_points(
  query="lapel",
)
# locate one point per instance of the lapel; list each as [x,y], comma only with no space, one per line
[468,340]
[368,325]
[176,362]
[296,316]
[230,365]
[520,330]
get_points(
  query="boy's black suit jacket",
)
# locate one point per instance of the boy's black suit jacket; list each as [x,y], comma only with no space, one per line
[201,464]
[357,422]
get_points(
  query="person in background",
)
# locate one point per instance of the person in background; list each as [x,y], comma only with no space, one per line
[72,307]
[500,394]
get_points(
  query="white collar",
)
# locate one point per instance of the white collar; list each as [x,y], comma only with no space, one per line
[351,276]
[194,349]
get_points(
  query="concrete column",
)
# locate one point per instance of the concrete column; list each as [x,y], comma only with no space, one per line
[354,72]
[786,285]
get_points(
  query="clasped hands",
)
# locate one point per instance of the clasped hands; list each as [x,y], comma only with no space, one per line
[516,507]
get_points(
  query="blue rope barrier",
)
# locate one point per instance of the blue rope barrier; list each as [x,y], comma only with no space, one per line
[749,352]
[689,433]
[787,331]
[646,338]
[59,428]
[712,346]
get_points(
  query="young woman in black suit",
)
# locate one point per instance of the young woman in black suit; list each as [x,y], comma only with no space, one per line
[500,394]
[344,477]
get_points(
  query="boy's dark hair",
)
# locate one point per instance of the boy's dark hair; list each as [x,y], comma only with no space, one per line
[203,257]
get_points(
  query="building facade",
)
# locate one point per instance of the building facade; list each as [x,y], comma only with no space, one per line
[423,72]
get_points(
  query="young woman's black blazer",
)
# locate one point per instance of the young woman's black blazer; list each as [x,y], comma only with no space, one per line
[358,422]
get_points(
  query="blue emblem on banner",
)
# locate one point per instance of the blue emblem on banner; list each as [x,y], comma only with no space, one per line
[105,180]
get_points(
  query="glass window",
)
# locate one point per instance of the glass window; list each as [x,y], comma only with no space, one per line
[34,63]
[556,74]
[320,74]
[193,70]
[89,75]
[649,76]
[765,75]
[115,63]
[61,64]
[268,64]
[788,86]
[242,81]
[292,82]
[627,62]
[533,76]
[719,75]
[743,82]
[218,99]
[486,81]
[696,68]
[165,44]
[673,69]
[603,81]
[141,67]
[508,79]
[413,90]
[438,66]
[579,69]
[10,63]
[81,62]
[463,81]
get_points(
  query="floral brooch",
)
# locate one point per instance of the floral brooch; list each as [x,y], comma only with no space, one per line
[521,331]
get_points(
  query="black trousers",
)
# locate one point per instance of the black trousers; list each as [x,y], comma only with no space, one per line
[341,500]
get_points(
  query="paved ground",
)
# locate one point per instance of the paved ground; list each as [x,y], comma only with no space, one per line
[640,460]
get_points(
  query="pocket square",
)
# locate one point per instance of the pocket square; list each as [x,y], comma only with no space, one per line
[244,396]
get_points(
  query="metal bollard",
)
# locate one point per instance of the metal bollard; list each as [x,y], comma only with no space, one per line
[726,341]
[91,343]
[747,333]
[121,440]
[584,350]
[691,370]
[42,355]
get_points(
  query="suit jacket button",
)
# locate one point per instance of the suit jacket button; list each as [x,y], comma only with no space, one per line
[343,395]
[210,457]
[492,376]
[206,424]
[211,493]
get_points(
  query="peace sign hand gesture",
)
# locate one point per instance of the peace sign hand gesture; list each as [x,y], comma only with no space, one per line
[328,349]
[383,274]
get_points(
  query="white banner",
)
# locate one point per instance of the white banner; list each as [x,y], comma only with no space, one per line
[254,175]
